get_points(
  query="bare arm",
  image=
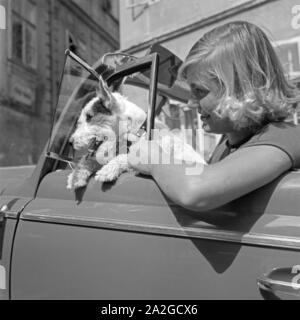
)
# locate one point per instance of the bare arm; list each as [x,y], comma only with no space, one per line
[238,174]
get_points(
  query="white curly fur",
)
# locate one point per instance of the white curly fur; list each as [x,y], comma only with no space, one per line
[124,118]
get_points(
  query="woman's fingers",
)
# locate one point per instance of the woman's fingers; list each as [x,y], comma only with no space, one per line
[131,137]
[140,155]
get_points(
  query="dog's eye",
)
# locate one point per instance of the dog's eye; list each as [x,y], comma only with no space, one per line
[200,93]
[99,108]
[88,117]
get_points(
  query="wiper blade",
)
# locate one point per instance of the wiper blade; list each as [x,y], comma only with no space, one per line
[55,156]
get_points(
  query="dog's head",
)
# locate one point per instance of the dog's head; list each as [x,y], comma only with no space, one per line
[107,116]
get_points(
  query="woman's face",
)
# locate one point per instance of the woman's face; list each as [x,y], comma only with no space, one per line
[206,94]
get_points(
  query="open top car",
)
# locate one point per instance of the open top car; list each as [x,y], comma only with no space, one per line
[126,240]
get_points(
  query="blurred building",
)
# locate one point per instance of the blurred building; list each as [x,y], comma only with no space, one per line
[178,24]
[32,47]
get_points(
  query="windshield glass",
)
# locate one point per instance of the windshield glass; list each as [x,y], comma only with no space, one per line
[75,88]
[78,86]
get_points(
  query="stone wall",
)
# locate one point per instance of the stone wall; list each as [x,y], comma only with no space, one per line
[22,137]
[28,96]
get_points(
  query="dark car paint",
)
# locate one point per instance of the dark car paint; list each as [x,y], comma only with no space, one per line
[73,262]
[148,210]
[132,243]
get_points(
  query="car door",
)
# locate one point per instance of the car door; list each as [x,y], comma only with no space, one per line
[127,241]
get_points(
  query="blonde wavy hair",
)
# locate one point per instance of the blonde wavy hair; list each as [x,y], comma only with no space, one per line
[255,90]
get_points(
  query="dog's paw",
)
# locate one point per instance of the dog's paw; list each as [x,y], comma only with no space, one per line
[108,173]
[70,181]
[79,184]
[74,182]
[69,186]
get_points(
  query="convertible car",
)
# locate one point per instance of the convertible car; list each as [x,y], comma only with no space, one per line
[126,240]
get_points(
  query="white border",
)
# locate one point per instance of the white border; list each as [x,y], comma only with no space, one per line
[2,17]
[2,278]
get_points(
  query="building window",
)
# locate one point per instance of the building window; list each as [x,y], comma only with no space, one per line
[24,35]
[288,51]
[106,6]
[110,8]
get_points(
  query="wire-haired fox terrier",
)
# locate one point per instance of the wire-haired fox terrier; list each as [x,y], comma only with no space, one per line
[103,127]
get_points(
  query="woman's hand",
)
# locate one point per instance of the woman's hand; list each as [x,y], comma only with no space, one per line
[143,155]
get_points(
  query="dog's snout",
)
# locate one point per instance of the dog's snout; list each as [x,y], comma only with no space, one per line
[73,142]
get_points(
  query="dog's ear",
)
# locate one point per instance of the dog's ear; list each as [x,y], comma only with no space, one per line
[103,92]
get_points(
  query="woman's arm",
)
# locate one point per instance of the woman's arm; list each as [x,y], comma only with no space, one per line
[238,174]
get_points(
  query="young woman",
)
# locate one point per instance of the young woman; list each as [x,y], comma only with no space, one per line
[238,84]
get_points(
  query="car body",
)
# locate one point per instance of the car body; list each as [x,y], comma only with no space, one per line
[126,240]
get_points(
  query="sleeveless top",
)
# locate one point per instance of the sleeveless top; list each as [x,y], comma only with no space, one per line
[282,135]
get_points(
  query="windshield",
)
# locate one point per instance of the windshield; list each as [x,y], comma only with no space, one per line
[77,86]
[79,83]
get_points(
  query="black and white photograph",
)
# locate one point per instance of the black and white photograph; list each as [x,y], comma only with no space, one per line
[149,153]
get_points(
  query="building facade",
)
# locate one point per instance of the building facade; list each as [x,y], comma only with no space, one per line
[178,24]
[32,47]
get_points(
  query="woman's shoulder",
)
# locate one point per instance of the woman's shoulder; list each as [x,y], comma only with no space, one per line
[283,135]
[273,129]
